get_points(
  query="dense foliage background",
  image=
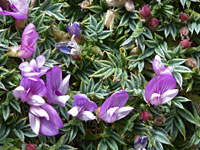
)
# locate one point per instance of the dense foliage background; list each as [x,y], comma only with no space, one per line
[110,61]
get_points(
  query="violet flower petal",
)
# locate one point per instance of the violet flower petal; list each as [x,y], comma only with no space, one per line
[110,116]
[73,111]
[19,91]
[61,100]
[158,66]
[63,88]
[38,112]
[117,99]
[50,127]
[36,100]
[86,116]
[123,112]
[82,100]
[168,95]
[35,123]
[40,60]
[25,67]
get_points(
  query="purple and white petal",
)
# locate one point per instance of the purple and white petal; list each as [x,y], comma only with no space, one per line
[73,111]
[155,99]
[40,60]
[25,66]
[63,88]
[86,115]
[36,100]
[35,123]
[61,100]
[123,112]
[38,112]
[19,92]
[110,116]
[168,95]
[158,66]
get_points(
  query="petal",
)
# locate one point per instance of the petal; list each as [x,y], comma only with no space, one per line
[155,99]
[168,95]
[19,92]
[61,100]
[25,67]
[35,123]
[118,99]
[53,79]
[110,116]
[157,64]
[38,112]
[63,88]
[40,60]
[123,112]
[50,127]
[73,111]
[82,101]
[86,115]
[159,84]
[36,100]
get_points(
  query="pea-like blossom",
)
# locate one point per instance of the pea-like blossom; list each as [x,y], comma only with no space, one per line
[140,143]
[15,8]
[113,108]
[45,120]
[82,108]
[34,68]
[31,91]
[74,29]
[69,47]
[159,67]
[161,89]
[28,43]
[56,87]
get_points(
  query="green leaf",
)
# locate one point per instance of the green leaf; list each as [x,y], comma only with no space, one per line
[112,144]
[6,111]
[102,145]
[180,125]
[186,115]
[19,133]
[182,69]
[179,78]
[103,35]
[96,8]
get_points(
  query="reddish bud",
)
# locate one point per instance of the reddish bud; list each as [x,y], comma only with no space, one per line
[190,62]
[185,43]
[184,31]
[154,22]
[30,147]
[98,110]
[145,116]
[183,18]
[146,13]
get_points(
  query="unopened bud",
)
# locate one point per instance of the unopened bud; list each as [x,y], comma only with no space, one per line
[30,147]
[158,120]
[85,4]
[185,43]
[74,28]
[145,116]
[183,18]
[154,23]
[146,13]
[129,5]
[191,62]
[184,31]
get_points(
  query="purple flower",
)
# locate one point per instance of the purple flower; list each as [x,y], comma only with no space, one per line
[70,47]
[28,44]
[82,108]
[113,108]
[35,68]
[161,89]
[56,87]
[159,67]
[17,9]
[141,143]
[31,91]
[45,120]
[74,29]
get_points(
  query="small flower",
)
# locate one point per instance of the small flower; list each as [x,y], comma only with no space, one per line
[159,67]
[56,87]
[30,147]
[85,4]
[161,89]
[113,108]
[110,18]
[145,116]
[185,43]
[70,47]
[146,13]
[28,44]
[129,5]
[191,62]
[45,120]
[140,143]
[35,68]
[154,23]
[74,29]
[31,91]
[82,108]
[115,3]
[184,31]
[183,18]
[17,9]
